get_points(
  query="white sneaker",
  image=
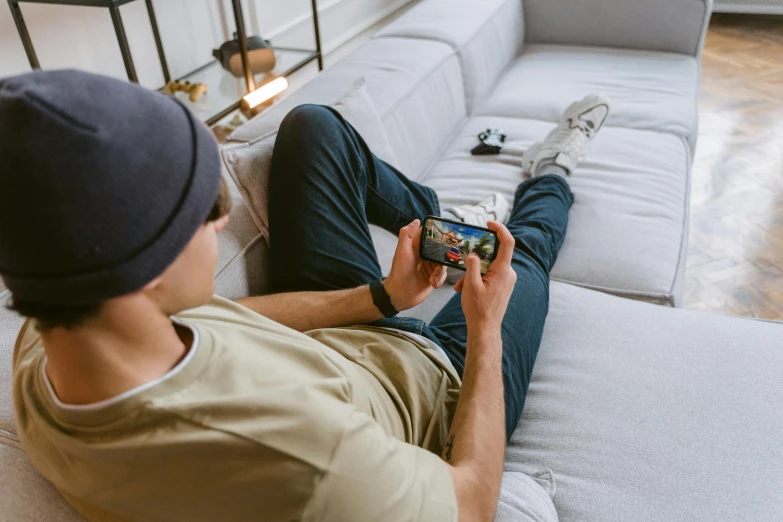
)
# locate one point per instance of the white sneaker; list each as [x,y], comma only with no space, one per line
[567,143]
[492,208]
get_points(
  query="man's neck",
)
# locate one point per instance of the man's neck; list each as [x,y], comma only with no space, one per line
[118,351]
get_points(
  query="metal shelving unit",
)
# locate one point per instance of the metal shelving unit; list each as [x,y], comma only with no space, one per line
[225,91]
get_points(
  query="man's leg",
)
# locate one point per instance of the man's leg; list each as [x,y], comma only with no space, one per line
[325,186]
[538,223]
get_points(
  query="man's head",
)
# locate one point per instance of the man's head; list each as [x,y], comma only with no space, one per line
[108,193]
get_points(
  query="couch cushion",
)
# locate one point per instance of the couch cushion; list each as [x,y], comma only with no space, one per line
[648,90]
[647,413]
[243,254]
[358,109]
[627,228]
[664,25]
[10,323]
[25,496]
[486,35]
[416,86]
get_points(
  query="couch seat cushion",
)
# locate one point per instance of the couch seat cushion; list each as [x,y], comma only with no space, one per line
[648,90]
[627,228]
[647,413]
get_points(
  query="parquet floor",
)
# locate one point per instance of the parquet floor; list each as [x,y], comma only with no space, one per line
[735,254]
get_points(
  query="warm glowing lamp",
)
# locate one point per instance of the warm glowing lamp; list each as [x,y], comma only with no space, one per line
[265,92]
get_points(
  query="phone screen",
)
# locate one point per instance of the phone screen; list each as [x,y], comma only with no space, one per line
[449,242]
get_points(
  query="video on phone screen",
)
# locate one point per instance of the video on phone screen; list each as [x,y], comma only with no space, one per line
[451,243]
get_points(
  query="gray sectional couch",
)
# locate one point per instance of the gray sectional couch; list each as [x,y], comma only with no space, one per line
[640,411]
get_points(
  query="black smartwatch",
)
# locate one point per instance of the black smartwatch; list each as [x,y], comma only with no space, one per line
[381,299]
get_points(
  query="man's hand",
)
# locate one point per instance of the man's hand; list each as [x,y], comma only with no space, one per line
[485,298]
[411,279]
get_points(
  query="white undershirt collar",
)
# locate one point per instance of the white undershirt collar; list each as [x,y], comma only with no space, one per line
[130,393]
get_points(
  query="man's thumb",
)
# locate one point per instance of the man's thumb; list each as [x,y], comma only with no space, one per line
[408,231]
[473,267]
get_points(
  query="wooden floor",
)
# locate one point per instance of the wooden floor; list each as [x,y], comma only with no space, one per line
[735,255]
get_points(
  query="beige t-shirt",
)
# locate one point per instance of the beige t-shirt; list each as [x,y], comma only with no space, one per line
[258,422]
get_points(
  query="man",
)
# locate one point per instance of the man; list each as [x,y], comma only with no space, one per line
[141,397]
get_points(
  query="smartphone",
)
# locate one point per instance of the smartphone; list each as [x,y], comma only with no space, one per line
[448,243]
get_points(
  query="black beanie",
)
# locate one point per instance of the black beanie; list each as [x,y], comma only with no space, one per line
[102,184]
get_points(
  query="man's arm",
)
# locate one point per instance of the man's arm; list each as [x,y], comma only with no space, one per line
[304,311]
[476,445]
[409,283]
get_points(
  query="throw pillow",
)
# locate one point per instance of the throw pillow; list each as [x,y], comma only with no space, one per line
[358,109]
[249,163]
[526,499]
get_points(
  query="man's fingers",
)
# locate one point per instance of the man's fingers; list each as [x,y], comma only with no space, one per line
[437,275]
[416,234]
[506,250]
[460,284]
[407,232]
[473,269]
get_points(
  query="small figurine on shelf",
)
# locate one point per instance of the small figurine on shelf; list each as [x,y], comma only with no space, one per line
[195,90]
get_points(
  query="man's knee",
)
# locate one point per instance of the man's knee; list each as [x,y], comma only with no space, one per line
[306,125]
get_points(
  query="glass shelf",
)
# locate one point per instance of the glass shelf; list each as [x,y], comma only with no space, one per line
[225,91]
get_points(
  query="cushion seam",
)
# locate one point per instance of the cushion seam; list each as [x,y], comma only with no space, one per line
[704,25]
[685,209]
[420,81]
[240,254]
[8,435]
[610,290]
[428,169]
[455,48]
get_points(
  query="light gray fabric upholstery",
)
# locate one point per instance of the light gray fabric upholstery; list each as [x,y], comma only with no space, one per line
[641,412]
[25,496]
[526,499]
[648,90]
[661,25]
[10,323]
[248,164]
[647,413]
[486,35]
[416,86]
[627,228]
[358,109]
[243,252]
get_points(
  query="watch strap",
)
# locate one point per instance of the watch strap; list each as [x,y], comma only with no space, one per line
[381,299]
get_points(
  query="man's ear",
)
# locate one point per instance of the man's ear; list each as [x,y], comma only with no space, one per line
[220,223]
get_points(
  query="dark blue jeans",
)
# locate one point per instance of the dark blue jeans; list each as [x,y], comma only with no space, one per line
[326,187]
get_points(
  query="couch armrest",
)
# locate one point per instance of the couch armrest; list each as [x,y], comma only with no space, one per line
[657,25]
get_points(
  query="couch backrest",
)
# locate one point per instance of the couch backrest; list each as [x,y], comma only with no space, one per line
[416,86]
[486,36]
[425,73]
[654,25]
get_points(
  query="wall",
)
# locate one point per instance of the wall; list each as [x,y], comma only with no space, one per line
[83,37]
